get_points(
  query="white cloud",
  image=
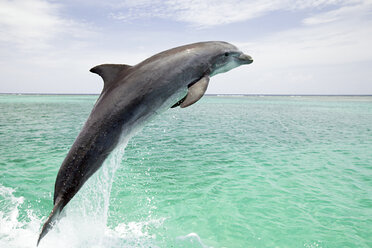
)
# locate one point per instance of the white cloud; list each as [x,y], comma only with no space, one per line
[43,51]
[321,45]
[322,57]
[40,49]
[32,25]
[345,39]
[208,13]
[345,13]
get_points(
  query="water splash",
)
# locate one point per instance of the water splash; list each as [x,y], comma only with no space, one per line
[92,201]
[83,222]
[13,231]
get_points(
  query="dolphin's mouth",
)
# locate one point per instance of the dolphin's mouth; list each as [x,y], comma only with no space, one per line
[245,59]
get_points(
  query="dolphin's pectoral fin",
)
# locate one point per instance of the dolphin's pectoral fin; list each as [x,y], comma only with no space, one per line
[195,92]
[109,72]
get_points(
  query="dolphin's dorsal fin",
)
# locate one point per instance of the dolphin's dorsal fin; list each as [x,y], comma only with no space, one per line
[109,72]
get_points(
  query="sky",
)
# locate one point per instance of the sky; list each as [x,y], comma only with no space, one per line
[298,47]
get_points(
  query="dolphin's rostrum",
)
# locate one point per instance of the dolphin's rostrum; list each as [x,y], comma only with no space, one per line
[130,96]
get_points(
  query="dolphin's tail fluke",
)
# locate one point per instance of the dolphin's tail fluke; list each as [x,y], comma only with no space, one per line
[48,225]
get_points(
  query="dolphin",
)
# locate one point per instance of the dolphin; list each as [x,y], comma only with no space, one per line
[131,95]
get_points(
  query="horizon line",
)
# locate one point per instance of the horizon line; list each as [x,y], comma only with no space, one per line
[211,94]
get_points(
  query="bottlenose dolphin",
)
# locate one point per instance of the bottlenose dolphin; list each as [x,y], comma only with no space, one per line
[131,95]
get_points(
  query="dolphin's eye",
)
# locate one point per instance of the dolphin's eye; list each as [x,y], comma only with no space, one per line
[226,54]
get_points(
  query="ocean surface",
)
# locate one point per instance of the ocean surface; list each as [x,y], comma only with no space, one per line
[273,171]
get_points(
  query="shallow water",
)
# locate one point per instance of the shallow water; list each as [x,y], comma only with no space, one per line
[225,172]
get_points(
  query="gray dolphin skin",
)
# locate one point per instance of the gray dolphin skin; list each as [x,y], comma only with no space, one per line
[131,96]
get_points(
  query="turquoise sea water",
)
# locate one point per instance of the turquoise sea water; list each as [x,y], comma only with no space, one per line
[225,172]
